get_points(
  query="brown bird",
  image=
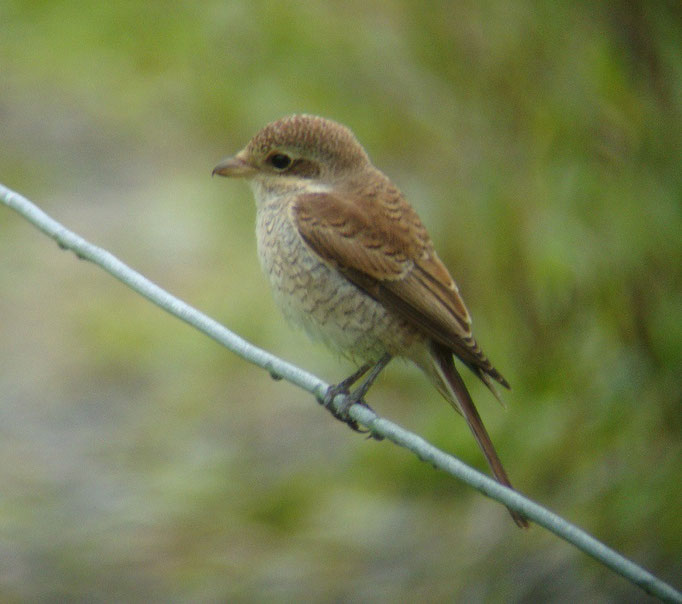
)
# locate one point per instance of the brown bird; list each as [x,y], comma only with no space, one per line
[350,261]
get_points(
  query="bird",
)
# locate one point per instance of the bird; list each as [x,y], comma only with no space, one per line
[349,260]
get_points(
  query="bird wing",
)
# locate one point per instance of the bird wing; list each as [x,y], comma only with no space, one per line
[378,242]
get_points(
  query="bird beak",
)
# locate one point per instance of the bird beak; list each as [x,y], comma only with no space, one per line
[237,166]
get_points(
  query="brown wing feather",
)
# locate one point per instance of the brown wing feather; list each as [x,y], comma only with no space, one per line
[384,249]
[342,234]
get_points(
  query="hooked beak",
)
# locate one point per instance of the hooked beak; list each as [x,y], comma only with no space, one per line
[236,166]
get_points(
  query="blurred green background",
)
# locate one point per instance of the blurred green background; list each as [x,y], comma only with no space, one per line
[540,142]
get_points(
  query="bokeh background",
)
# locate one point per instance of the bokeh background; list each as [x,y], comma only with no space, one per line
[540,142]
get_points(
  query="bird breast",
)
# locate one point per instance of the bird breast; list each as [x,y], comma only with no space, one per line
[315,296]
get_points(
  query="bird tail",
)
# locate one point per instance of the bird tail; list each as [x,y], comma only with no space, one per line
[452,387]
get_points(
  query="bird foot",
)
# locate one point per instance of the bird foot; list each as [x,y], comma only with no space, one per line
[341,412]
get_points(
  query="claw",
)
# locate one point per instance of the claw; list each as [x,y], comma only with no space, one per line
[332,392]
[342,412]
[357,396]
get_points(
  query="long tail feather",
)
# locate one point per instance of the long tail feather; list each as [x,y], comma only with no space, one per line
[460,397]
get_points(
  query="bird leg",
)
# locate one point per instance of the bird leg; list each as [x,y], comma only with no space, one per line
[343,386]
[357,395]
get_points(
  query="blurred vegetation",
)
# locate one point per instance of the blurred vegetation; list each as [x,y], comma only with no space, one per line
[540,142]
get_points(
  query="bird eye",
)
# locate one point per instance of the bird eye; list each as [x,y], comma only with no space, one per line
[279,161]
